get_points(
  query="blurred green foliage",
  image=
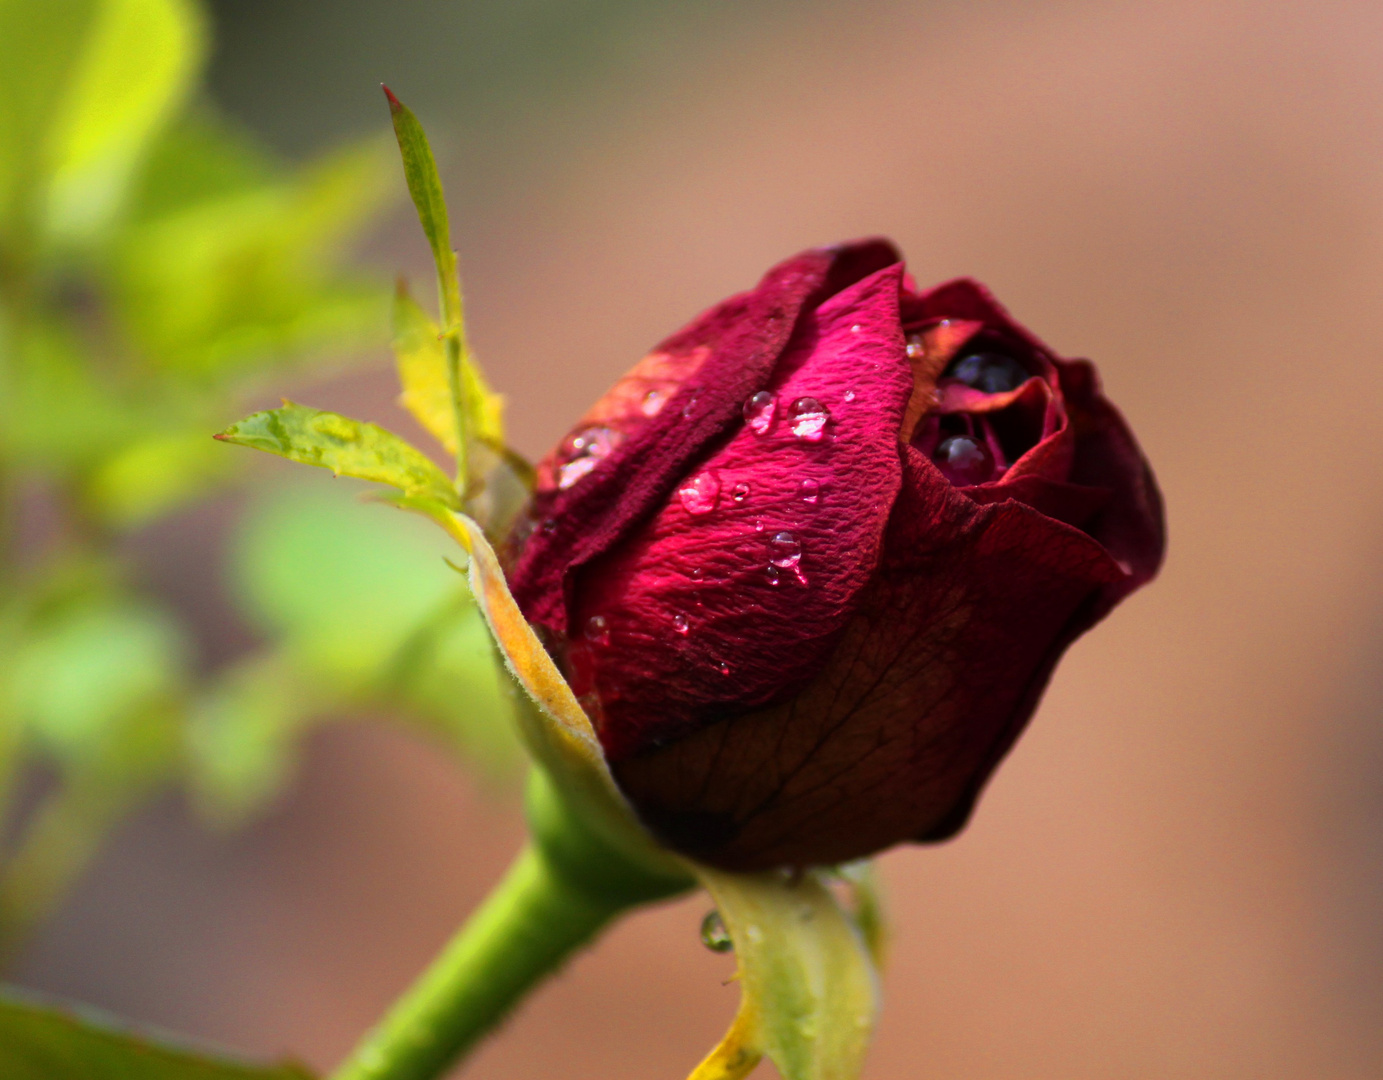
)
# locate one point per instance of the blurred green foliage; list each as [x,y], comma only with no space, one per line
[155,267]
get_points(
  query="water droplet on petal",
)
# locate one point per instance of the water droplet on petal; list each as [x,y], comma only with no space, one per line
[573,471]
[849,396]
[809,491]
[964,460]
[807,417]
[785,553]
[916,349]
[740,492]
[652,402]
[723,668]
[680,624]
[700,494]
[549,525]
[698,574]
[774,575]
[856,328]
[759,411]
[784,550]
[713,933]
[690,406]
[584,451]
[598,630]
[759,525]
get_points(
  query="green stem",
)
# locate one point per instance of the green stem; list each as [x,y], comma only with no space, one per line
[562,889]
[527,927]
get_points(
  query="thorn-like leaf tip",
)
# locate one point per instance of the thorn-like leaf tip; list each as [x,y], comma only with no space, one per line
[394,103]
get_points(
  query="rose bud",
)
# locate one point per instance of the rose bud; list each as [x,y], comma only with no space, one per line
[810,564]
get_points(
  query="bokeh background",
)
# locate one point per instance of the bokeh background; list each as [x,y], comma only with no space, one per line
[1179,871]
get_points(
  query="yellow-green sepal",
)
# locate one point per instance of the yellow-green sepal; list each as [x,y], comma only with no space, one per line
[807,977]
[555,729]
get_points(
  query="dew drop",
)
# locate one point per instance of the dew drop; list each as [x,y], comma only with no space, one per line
[916,349]
[713,933]
[549,525]
[784,551]
[697,574]
[964,460]
[573,471]
[740,492]
[807,417]
[856,328]
[723,668]
[849,396]
[759,525]
[680,623]
[809,491]
[598,630]
[759,411]
[652,402]
[784,554]
[690,406]
[584,451]
[700,494]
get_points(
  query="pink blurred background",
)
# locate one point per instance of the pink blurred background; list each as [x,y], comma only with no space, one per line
[1179,871]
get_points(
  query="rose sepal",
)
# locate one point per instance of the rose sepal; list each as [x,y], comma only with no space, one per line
[807,966]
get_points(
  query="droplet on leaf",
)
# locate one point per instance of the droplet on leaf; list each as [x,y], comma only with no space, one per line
[713,933]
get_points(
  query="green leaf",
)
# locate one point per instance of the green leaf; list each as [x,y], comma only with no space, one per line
[55,413]
[200,157]
[46,1042]
[138,65]
[810,993]
[475,410]
[425,186]
[153,475]
[85,674]
[40,45]
[345,446]
[422,366]
[247,276]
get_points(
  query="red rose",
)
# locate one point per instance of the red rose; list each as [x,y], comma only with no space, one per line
[811,563]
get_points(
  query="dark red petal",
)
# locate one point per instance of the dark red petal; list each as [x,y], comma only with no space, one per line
[696,592]
[1131,527]
[965,298]
[932,681]
[743,338]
